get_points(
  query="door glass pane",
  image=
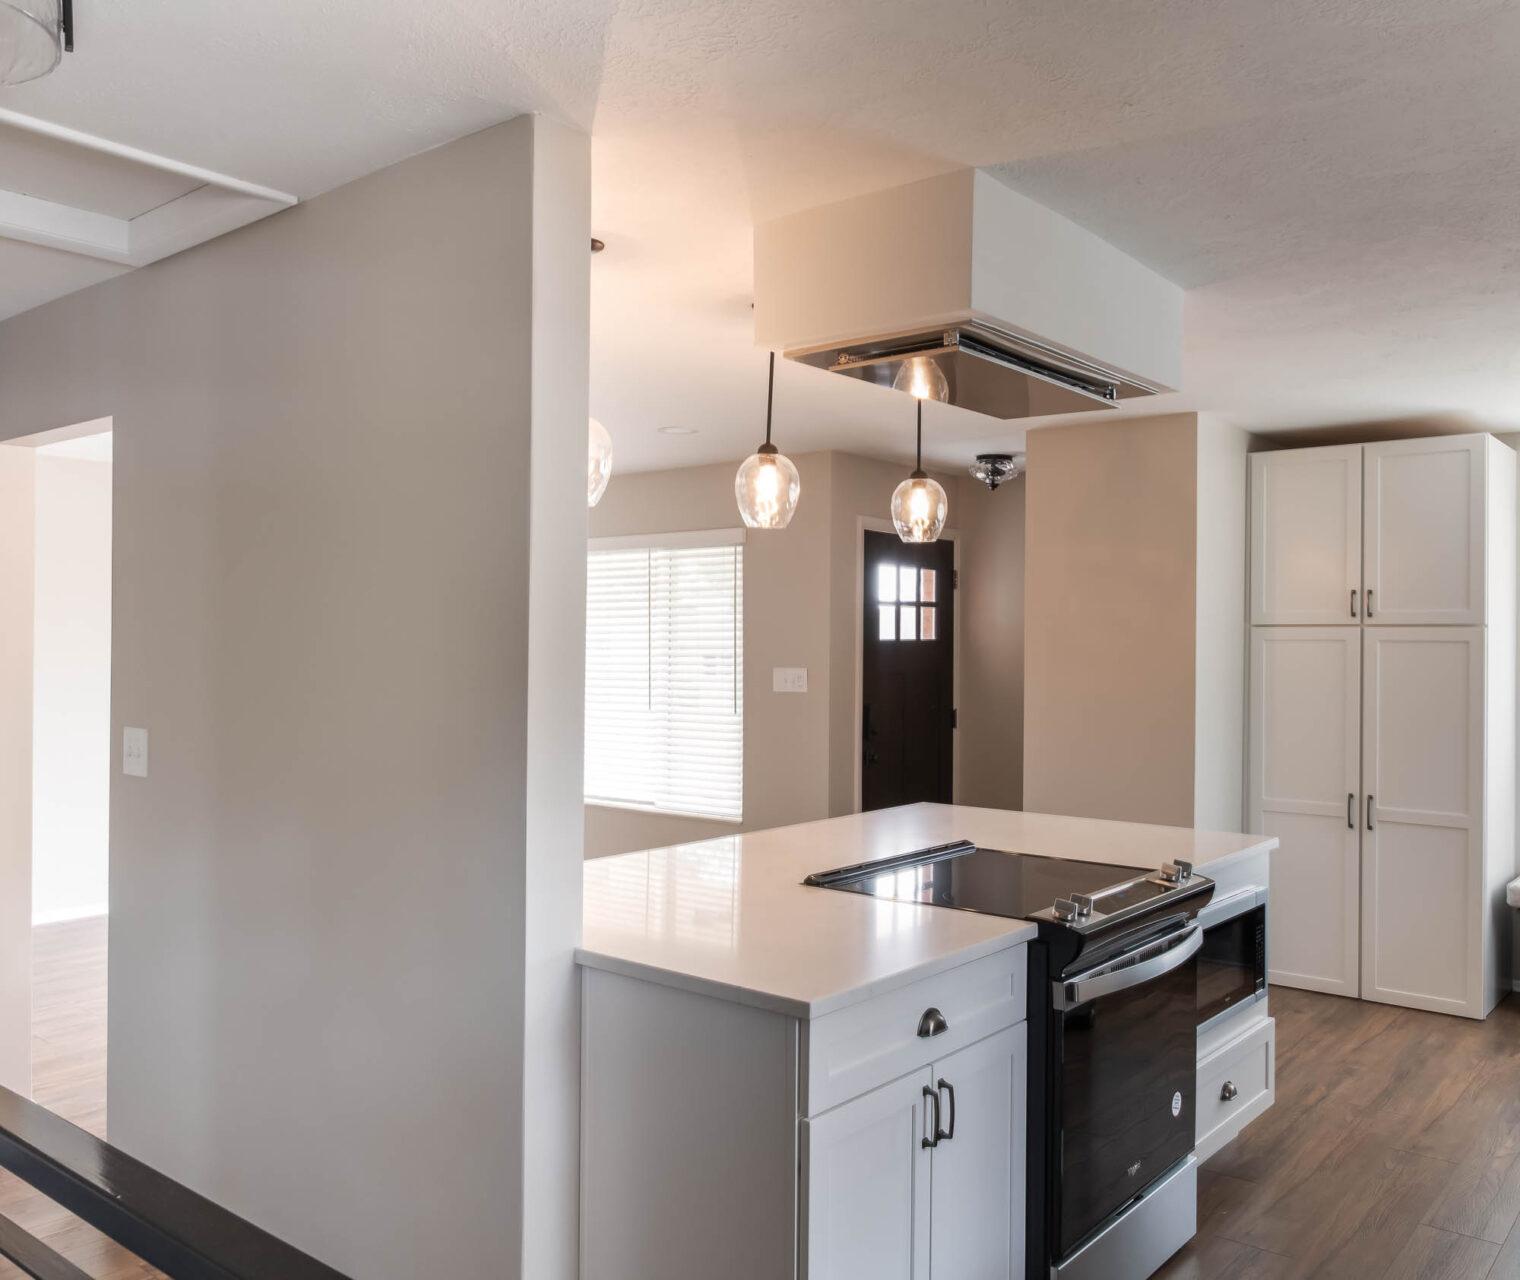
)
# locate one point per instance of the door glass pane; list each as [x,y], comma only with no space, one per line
[926,586]
[927,617]
[886,582]
[888,622]
[907,586]
[909,613]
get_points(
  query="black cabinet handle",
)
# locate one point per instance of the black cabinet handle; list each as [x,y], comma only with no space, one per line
[932,1095]
[1353,602]
[946,1134]
[1229,1093]
[1369,812]
[932,1024]
[1351,810]
[1369,602]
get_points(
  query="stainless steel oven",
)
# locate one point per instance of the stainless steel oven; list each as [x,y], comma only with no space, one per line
[1232,964]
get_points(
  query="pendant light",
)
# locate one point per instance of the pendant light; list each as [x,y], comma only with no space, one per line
[919,505]
[34,35]
[598,461]
[923,379]
[767,485]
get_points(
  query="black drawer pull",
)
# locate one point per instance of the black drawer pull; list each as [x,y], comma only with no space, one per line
[932,1024]
[1229,1093]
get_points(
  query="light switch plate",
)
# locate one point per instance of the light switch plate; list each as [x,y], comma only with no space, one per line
[134,753]
[789,679]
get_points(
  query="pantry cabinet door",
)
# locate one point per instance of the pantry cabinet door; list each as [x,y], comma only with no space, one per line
[865,1193]
[1304,788]
[1423,897]
[978,1167]
[1424,542]
[1306,536]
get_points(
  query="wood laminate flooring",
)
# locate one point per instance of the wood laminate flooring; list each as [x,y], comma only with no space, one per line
[1392,1153]
[69,1077]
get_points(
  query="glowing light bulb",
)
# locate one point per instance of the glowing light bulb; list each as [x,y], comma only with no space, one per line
[919,509]
[767,487]
[923,379]
[598,461]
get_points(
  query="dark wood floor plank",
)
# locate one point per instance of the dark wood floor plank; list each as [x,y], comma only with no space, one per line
[1433,1254]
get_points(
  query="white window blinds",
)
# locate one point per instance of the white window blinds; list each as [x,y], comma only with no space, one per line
[665,674]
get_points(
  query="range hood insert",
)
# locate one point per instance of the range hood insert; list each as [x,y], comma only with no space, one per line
[988,370]
[1025,313]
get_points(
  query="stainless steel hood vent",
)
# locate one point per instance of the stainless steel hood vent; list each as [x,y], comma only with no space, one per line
[987,369]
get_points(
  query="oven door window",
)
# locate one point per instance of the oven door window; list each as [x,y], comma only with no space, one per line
[1231,964]
[1127,1078]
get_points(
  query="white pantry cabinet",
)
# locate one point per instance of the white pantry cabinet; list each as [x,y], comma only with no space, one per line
[1381,746]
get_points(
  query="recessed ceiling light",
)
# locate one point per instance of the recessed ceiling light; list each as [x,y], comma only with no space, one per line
[678,431]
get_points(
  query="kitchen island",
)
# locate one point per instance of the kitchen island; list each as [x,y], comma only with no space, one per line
[761,1058]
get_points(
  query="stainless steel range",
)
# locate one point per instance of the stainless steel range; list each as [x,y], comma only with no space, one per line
[1113,998]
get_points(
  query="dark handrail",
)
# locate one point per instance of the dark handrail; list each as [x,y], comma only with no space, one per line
[183,1234]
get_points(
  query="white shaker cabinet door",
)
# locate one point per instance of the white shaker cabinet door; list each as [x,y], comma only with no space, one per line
[1306,536]
[978,1197]
[866,1185]
[1424,543]
[1423,896]
[1304,787]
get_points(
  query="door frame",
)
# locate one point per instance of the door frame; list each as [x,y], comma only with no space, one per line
[876,524]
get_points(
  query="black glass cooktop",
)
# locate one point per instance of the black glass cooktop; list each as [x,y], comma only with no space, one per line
[1018,885]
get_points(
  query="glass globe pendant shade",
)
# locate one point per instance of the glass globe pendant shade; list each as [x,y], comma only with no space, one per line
[919,508]
[767,487]
[31,40]
[923,379]
[598,461]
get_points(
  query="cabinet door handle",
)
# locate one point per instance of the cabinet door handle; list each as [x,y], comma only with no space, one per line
[1229,1093]
[932,1024]
[1369,812]
[1353,602]
[932,1095]
[1351,810]
[946,1134]
[1369,602]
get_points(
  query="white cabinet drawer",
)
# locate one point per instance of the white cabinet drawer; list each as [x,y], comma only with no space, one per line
[848,1053]
[1235,1085]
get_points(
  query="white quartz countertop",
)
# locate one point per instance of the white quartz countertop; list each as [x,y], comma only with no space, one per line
[730,917]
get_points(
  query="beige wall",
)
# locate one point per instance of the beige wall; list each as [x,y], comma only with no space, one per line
[991,737]
[348,472]
[1111,633]
[786,624]
[17,561]
[800,609]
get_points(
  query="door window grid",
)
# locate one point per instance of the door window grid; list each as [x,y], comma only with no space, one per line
[907,603]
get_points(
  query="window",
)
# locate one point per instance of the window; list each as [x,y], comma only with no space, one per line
[906,603]
[665,674]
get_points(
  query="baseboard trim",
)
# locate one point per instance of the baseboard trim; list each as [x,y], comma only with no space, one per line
[72,913]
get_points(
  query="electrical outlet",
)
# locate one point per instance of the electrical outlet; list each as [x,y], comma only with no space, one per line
[789,679]
[134,753]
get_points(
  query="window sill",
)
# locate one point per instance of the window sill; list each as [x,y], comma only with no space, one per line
[665,813]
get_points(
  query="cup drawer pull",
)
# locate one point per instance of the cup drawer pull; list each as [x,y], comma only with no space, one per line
[1229,1093]
[932,1024]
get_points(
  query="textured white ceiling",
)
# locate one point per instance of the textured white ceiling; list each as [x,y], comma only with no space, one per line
[1337,182]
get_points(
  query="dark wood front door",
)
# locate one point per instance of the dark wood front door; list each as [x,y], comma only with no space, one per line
[908,672]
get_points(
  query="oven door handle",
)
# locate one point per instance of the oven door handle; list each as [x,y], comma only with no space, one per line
[1126,972]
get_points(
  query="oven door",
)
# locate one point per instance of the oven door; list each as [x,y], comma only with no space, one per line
[1126,1078]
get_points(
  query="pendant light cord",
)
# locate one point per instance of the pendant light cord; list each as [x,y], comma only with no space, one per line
[770,396]
[919,463]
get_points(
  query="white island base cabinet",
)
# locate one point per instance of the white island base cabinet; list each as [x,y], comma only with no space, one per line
[716,1141]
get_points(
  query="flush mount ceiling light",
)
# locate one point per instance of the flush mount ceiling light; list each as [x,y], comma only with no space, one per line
[678,431]
[919,505]
[993,469]
[34,36]
[767,485]
[598,461]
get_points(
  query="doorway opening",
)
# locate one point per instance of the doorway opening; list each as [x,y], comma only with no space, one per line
[55,691]
[907,671]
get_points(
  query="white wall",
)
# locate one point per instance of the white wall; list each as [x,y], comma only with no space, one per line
[349,450]
[17,565]
[72,691]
